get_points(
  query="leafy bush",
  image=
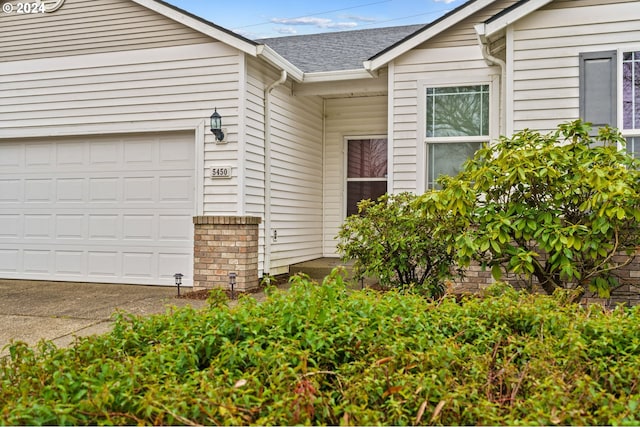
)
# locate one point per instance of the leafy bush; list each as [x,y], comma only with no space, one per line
[320,354]
[392,241]
[562,207]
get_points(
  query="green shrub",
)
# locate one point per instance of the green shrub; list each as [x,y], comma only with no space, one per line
[392,241]
[563,207]
[319,354]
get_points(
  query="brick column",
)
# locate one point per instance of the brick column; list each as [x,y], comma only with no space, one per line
[223,244]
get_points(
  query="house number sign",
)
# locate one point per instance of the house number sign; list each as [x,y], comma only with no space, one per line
[221,172]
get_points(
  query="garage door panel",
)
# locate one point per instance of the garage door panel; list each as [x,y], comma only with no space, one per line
[139,227]
[140,189]
[39,226]
[37,261]
[138,265]
[9,260]
[39,155]
[171,264]
[104,227]
[98,209]
[69,263]
[11,157]
[10,226]
[10,191]
[70,226]
[70,190]
[175,228]
[70,154]
[103,264]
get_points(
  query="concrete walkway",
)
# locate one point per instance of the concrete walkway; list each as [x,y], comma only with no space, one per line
[60,311]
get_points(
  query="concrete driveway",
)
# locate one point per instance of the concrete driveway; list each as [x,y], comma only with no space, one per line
[59,311]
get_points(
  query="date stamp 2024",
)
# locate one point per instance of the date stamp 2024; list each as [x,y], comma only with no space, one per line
[31,7]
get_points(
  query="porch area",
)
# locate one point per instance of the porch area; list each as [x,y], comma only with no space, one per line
[318,269]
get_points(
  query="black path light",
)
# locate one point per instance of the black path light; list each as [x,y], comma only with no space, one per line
[232,283]
[216,125]
[178,277]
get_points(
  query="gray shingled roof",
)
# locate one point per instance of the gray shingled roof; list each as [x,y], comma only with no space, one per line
[337,51]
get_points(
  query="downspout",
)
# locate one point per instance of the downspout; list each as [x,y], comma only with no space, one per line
[267,170]
[492,60]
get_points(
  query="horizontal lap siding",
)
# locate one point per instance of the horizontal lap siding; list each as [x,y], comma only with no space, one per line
[546,48]
[413,72]
[254,138]
[361,116]
[296,184]
[144,90]
[296,164]
[463,33]
[89,26]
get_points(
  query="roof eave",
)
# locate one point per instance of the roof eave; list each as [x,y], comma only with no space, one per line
[339,75]
[497,24]
[205,27]
[272,57]
[421,36]
[221,34]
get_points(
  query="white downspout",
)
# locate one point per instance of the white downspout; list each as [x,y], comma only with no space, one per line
[267,170]
[492,60]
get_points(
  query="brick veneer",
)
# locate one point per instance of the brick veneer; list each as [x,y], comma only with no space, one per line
[224,244]
[476,279]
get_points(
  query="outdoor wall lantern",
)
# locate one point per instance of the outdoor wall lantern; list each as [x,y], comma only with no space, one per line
[216,125]
[178,277]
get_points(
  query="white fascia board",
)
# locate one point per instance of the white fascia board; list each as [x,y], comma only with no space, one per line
[333,76]
[425,35]
[226,37]
[273,58]
[498,25]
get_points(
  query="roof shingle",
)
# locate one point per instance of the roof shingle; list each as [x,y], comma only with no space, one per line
[337,51]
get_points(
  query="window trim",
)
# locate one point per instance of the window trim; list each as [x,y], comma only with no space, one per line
[468,77]
[493,81]
[620,92]
[345,166]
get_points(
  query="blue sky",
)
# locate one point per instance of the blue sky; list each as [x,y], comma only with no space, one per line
[259,18]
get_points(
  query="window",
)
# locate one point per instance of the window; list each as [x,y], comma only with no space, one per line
[457,124]
[366,171]
[631,101]
[599,75]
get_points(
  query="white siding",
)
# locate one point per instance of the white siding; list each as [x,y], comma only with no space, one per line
[463,33]
[545,65]
[345,117]
[296,186]
[412,73]
[296,205]
[132,91]
[89,26]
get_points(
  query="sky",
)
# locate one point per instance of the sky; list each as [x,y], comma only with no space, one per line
[257,19]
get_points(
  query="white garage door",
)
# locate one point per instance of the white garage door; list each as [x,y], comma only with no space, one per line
[98,209]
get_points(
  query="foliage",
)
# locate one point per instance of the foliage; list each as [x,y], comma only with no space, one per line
[562,207]
[392,241]
[319,354]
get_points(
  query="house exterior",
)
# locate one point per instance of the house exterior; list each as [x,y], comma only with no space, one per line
[109,172]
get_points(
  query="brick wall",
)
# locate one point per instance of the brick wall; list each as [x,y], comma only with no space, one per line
[476,279]
[225,244]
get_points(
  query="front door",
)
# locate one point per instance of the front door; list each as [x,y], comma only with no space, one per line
[366,170]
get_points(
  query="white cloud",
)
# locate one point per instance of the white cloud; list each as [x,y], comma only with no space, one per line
[317,22]
[302,21]
[444,1]
[360,18]
[286,31]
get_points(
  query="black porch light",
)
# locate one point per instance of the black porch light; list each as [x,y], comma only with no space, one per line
[216,125]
